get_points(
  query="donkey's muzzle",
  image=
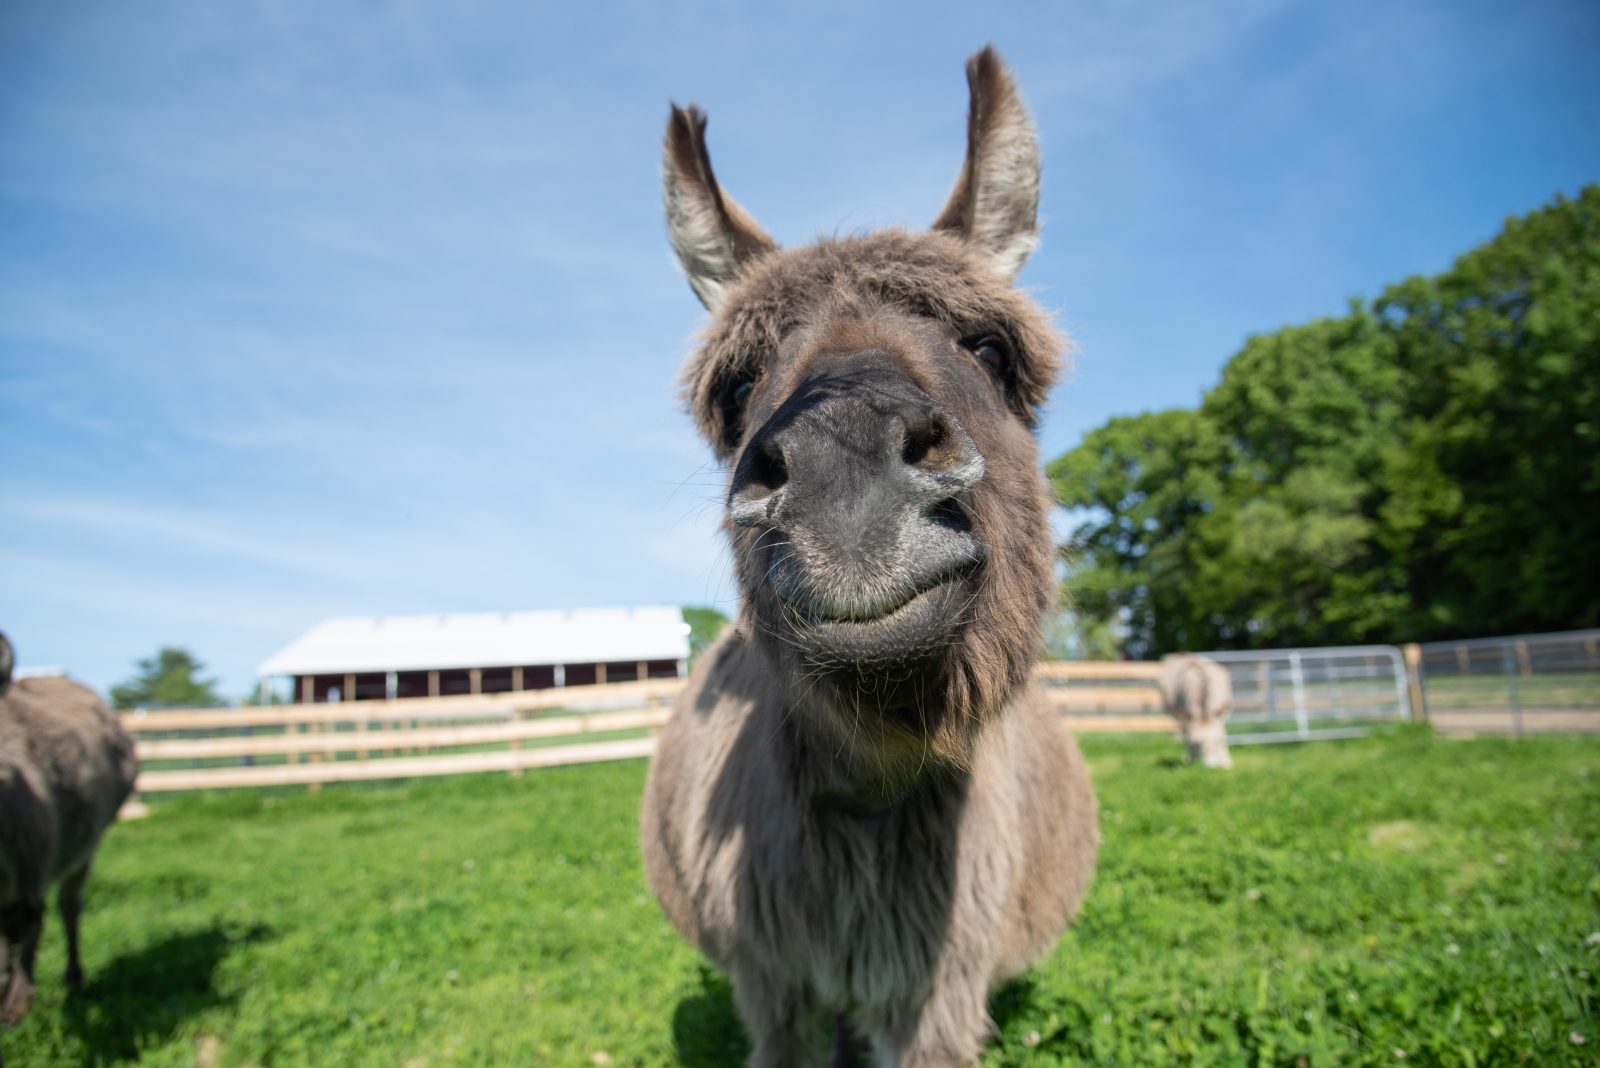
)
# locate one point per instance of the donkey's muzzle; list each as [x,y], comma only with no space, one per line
[859,477]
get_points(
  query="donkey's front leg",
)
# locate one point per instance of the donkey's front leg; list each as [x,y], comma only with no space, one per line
[946,1031]
[781,1017]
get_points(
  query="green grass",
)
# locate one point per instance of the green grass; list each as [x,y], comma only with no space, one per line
[1328,904]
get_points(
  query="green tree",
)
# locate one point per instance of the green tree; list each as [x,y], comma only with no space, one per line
[1137,484]
[170,678]
[1289,550]
[254,699]
[704,625]
[1427,465]
[1495,489]
[1071,635]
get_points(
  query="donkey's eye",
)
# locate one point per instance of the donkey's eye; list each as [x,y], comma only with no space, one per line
[992,350]
[732,399]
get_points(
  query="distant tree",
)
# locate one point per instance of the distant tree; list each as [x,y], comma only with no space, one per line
[1138,482]
[1495,492]
[705,623]
[1291,548]
[170,678]
[1425,466]
[1071,635]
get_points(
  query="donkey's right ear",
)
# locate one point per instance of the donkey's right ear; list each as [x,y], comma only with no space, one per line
[995,202]
[713,236]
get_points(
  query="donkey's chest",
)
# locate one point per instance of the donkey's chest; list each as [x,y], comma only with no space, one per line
[861,911]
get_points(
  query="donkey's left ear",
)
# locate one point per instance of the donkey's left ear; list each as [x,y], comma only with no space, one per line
[995,202]
[713,236]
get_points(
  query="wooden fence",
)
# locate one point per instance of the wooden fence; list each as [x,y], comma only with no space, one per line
[355,741]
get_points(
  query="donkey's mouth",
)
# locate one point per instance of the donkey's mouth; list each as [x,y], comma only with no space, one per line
[822,586]
[899,638]
[867,612]
[871,615]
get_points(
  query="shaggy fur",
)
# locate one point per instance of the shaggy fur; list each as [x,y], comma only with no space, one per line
[874,839]
[66,767]
[1198,693]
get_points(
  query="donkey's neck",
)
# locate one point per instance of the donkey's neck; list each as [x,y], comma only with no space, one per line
[845,766]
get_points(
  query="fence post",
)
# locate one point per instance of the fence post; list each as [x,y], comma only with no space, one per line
[1414,685]
[1508,663]
[319,728]
[1298,681]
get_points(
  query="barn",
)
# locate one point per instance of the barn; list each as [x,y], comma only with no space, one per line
[386,657]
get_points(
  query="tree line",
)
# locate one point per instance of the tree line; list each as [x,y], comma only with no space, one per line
[1425,466]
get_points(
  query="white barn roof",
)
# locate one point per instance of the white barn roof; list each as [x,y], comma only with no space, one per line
[483,639]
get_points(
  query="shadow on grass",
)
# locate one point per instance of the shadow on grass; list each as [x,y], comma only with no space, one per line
[706,1028]
[146,995]
[707,1032]
[1013,996]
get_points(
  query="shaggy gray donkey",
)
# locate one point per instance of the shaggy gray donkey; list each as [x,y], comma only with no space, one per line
[861,807]
[66,767]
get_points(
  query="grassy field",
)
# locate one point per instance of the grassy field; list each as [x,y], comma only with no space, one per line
[1394,900]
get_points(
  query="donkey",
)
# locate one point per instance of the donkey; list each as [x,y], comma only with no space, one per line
[66,767]
[861,808]
[1198,693]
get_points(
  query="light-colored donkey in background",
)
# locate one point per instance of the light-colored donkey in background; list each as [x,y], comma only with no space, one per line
[1198,693]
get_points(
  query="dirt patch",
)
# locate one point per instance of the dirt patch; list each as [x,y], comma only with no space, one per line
[1403,835]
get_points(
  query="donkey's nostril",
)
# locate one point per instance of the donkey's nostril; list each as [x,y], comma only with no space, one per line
[767,471]
[928,442]
[761,474]
[940,454]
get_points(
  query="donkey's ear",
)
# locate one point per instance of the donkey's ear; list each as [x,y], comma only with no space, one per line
[713,236]
[995,202]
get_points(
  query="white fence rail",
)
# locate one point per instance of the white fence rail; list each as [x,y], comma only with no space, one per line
[360,741]
[1532,682]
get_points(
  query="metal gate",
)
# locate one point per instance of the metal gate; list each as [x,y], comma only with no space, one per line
[1526,682]
[1291,695]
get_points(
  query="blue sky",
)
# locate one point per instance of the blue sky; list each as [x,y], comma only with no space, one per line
[343,308]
